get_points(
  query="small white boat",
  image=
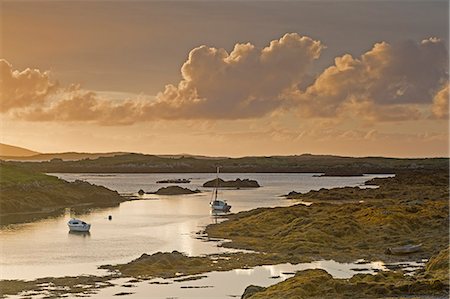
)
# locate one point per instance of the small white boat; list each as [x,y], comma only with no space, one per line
[76,225]
[220,206]
[216,204]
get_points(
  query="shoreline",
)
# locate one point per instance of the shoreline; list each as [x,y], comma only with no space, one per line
[301,233]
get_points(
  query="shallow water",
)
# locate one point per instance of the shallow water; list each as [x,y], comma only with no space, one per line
[159,223]
[230,284]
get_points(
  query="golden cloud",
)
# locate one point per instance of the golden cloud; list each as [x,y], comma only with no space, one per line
[247,82]
[19,89]
[387,83]
[440,103]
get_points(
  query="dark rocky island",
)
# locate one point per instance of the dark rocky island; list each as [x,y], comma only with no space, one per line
[238,183]
[27,195]
[175,190]
[341,173]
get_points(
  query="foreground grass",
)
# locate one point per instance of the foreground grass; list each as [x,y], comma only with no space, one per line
[25,191]
[432,281]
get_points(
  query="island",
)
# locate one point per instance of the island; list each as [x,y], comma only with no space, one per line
[175,190]
[174,181]
[238,183]
[28,195]
[340,172]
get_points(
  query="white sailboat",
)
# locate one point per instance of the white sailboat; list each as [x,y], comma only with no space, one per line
[216,204]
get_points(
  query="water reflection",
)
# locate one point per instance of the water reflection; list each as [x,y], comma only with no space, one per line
[233,283]
[79,234]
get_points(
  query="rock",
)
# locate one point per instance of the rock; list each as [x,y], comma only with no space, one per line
[175,190]
[141,192]
[292,194]
[238,183]
[341,173]
[250,290]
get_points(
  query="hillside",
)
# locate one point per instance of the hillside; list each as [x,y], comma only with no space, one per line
[69,156]
[140,163]
[24,191]
[9,150]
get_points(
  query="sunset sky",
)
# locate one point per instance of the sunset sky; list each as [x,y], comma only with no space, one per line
[226,78]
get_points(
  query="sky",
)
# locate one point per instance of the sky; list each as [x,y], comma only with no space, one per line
[226,78]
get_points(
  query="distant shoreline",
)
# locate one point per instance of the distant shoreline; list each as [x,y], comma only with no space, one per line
[320,164]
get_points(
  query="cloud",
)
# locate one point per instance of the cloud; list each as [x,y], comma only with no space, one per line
[386,83]
[20,89]
[215,84]
[75,105]
[440,103]
[245,83]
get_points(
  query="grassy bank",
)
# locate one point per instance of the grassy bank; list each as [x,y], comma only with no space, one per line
[24,192]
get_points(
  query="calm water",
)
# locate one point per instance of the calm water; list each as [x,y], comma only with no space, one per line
[230,284]
[159,223]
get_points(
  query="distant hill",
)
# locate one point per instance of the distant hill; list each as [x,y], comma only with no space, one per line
[15,151]
[140,163]
[71,156]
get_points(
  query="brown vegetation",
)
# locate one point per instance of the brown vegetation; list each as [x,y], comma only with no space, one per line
[433,281]
[24,191]
[174,264]
[409,209]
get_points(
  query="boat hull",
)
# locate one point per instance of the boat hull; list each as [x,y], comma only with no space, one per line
[77,225]
[79,228]
[221,208]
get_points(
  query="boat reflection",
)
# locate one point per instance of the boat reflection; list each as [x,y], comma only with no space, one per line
[81,234]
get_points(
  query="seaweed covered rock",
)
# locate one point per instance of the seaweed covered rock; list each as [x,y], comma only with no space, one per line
[346,231]
[175,190]
[27,191]
[438,266]
[315,283]
[175,264]
[238,183]
[251,290]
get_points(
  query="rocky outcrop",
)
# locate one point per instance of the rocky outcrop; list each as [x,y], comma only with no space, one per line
[251,290]
[27,191]
[238,183]
[175,190]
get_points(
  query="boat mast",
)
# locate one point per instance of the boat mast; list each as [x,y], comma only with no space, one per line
[217,183]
